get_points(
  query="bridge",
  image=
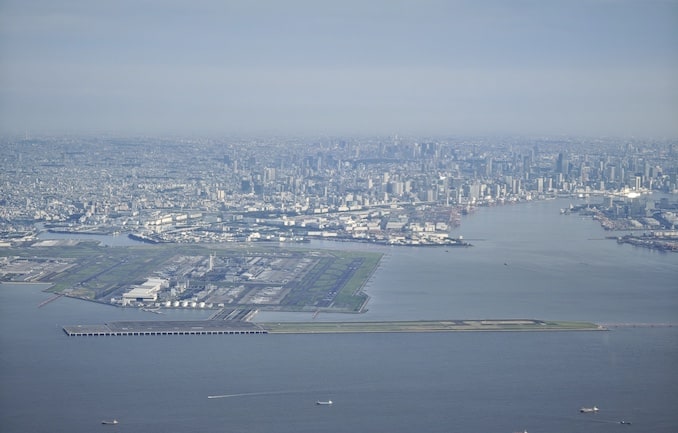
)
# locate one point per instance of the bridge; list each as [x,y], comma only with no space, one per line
[639,325]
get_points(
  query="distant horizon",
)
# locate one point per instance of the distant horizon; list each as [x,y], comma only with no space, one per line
[302,68]
[309,136]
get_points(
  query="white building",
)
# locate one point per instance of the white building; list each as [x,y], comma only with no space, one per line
[147,292]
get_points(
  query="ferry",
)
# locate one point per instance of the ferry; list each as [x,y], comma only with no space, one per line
[589,409]
[113,422]
[323,403]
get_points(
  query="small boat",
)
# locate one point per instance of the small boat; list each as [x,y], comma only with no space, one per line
[112,422]
[323,403]
[625,422]
[589,409]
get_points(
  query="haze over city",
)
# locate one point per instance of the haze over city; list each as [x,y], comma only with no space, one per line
[339,216]
[596,67]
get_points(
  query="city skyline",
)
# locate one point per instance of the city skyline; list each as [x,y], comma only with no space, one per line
[558,68]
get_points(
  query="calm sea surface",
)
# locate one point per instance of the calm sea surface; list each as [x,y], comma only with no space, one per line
[527,262]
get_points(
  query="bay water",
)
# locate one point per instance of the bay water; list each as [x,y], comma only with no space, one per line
[527,261]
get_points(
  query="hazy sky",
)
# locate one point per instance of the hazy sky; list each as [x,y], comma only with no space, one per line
[580,67]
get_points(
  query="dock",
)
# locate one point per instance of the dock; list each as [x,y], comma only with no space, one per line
[171,327]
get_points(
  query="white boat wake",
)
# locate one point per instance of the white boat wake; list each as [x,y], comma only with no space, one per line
[246,394]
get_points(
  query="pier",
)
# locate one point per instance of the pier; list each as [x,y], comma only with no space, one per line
[193,327]
[52,299]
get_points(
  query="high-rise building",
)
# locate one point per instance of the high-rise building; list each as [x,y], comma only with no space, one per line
[562,164]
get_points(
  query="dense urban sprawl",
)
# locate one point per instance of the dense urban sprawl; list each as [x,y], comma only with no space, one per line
[395,190]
